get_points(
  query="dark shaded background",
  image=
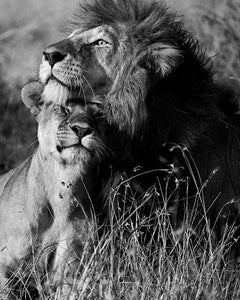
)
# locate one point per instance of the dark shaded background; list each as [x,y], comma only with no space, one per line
[28,26]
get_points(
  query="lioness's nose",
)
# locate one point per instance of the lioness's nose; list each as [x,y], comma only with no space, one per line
[80,131]
[53,55]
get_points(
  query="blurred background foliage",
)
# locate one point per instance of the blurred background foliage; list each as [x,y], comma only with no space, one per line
[28,26]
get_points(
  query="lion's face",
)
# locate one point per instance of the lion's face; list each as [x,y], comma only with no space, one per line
[110,63]
[71,134]
[85,64]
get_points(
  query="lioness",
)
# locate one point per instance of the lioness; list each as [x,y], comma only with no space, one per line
[48,200]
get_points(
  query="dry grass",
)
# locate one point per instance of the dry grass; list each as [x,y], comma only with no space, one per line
[171,265]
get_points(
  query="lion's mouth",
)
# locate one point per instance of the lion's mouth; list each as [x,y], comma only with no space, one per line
[60,148]
[53,78]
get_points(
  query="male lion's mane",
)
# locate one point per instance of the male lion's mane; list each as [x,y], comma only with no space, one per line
[167,94]
[147,106]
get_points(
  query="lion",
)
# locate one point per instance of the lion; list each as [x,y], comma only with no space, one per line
[161,100]
[48,202]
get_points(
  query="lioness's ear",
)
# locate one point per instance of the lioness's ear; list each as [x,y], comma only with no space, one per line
[31,96]
[163,58]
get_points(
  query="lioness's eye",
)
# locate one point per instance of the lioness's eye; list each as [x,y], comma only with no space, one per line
[40,103]
[65,109]
[100,43]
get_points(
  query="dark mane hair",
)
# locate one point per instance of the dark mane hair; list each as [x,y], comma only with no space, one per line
[179,114]
[166,94]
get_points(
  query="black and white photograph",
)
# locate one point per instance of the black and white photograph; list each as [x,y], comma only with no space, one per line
[119,149]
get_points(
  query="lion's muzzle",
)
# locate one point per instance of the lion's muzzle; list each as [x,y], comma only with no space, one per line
[56,52]
[55,63]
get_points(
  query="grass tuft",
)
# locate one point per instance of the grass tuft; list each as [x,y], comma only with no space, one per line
[174,264]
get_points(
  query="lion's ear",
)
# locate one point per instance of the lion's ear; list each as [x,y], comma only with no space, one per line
[162,58]
[31,96]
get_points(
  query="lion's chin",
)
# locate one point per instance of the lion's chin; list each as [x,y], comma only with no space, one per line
[55,92]
[59,93]
[54,78]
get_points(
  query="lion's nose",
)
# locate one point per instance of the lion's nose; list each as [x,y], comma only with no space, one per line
[53,55]
[80,131]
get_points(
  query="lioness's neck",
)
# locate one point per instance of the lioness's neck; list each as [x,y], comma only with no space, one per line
[41,181]
[62,183]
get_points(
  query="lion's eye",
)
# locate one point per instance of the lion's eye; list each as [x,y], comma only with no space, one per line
[100,43]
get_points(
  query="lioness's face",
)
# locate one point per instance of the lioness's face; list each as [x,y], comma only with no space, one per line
[83,65]
[71,134]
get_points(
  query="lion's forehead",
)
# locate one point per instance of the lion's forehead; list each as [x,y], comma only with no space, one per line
[91,35]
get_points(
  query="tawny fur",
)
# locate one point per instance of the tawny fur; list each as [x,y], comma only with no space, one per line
[47,203]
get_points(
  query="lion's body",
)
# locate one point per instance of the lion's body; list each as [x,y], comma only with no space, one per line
[212,172]
[47,202]
[158,90]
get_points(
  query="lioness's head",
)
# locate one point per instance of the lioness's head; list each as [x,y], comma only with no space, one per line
[70,134]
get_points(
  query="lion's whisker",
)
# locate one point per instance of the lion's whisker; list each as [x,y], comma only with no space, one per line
[90,86]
